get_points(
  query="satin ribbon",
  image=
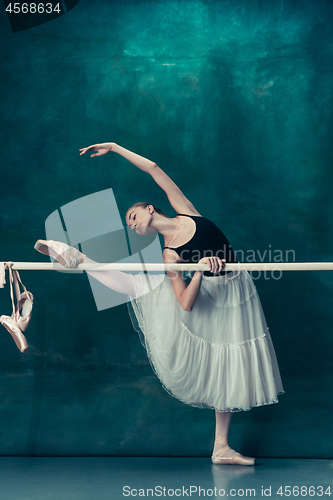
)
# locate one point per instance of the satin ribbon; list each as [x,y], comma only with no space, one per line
[3,267]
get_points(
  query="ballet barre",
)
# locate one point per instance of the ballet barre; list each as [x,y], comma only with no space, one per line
[137,267]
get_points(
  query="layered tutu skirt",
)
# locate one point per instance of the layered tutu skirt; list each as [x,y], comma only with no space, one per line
[219,355]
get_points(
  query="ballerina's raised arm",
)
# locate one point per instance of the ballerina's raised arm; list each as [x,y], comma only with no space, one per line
[176,198]
[144,218]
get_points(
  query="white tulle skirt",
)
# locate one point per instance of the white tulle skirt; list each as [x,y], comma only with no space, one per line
[220,355]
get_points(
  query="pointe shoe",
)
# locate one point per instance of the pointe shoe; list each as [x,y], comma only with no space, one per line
[10,324]
[20,318]
[25,302]
[66,255]
[235,458]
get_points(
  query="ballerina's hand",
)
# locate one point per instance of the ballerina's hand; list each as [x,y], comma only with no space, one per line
[101,149]
[215,263]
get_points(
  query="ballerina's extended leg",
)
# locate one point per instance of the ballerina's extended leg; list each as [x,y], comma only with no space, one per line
[70,257]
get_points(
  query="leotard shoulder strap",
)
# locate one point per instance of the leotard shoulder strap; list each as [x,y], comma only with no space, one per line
[174,248]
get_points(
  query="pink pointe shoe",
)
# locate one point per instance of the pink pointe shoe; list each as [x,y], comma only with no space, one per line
[18,322]
[232,458]
[10,324]
[66,255]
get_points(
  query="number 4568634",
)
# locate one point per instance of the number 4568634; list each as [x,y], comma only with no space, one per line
[32,8]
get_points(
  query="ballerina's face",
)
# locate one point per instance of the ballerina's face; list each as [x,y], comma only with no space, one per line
[138,219]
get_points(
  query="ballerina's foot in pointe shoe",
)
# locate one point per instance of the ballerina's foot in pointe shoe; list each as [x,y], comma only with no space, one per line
[223,454]
[67,256]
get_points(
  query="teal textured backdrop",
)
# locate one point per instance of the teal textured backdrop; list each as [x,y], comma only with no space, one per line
[233,99]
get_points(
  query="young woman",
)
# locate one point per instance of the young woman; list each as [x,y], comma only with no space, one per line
[207,341]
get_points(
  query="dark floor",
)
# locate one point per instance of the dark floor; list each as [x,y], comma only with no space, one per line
[117,478]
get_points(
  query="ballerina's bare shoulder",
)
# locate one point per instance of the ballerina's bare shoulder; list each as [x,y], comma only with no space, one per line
[185,232]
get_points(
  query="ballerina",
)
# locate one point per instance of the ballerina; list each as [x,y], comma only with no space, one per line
[207,341]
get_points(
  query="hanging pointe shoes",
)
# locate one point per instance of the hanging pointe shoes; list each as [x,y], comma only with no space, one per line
[66,255]
[18,322]
[226,455]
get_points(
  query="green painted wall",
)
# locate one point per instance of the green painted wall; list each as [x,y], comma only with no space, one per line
[233,99]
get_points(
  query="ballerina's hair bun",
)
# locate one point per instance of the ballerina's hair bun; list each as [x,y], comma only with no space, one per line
[143,204]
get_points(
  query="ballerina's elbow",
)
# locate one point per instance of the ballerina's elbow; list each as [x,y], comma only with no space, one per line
[183,301]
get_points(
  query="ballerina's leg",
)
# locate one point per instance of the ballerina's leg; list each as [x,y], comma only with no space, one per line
[222,422]
[117,280]
[222,429]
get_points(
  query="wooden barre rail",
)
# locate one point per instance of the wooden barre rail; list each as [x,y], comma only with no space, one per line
[262,266]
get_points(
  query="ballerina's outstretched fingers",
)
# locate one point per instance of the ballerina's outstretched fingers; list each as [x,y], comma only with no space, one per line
[101,149]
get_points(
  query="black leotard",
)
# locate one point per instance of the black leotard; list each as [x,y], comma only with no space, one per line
[208,241]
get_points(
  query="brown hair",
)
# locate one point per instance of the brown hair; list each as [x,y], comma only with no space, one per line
[143,204]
